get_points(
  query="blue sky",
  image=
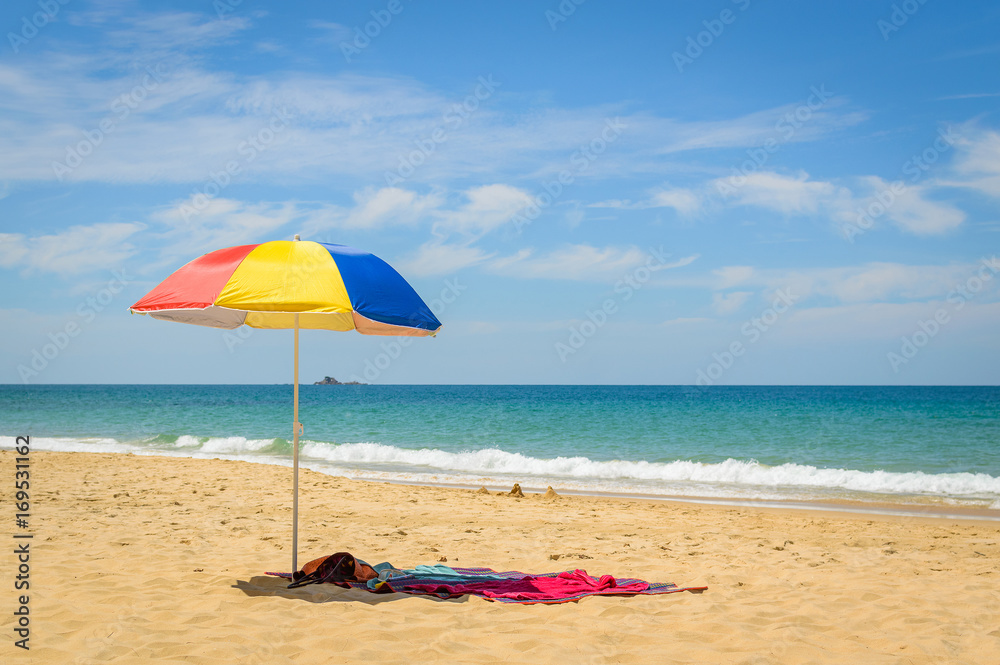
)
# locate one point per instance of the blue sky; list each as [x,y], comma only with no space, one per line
[718,192]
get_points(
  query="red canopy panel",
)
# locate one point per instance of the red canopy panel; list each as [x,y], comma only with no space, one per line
[197,284]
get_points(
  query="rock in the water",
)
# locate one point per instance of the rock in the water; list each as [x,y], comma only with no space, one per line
[330,381]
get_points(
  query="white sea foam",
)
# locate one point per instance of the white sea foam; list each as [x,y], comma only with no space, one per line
[731,478]
[234,445]
[492,461]
[82,444]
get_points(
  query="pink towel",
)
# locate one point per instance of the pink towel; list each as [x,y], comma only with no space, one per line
[565,585]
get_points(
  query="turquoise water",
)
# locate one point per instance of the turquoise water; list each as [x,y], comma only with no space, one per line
[895,444]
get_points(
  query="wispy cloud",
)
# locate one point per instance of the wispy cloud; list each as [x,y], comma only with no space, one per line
[870,282]
[442,258]
[222,223]
[78,249]
[374,209]
[727,303]
[577,262]
[910,206]
[684,201]
[974,95]
[486,208]
[345,125]
[977,166]
[331,33]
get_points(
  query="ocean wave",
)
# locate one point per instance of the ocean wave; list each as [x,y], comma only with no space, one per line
[492,461]
[222,445]
[731,477]
[238,445]
[81,444]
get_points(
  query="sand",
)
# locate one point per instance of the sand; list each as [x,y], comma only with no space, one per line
[141,559]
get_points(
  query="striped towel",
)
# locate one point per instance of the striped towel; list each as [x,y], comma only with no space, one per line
[508,586]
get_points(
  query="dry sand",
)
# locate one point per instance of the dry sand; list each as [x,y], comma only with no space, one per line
[143,559]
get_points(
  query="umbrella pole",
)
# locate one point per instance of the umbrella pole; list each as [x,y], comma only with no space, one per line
[295,457]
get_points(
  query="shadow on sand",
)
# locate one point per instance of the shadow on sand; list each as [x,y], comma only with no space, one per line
[265,585]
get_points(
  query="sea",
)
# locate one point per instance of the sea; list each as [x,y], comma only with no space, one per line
[931,449]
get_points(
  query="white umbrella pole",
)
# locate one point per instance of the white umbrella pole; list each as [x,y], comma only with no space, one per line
[295,457]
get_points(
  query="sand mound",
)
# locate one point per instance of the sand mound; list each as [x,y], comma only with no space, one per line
[550,493]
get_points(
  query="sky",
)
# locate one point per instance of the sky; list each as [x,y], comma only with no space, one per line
[706,192]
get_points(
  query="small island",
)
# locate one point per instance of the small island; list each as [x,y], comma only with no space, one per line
[330,381]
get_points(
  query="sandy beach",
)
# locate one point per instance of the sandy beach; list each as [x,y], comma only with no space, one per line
[148,559]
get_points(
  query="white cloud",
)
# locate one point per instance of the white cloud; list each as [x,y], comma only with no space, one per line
[875,282]
[127,29]
[686,321]
[884,281]
[753,129]
[479,210]
[844,324]
[343,124]
[912,211]
[485,209]
[727,303]
[684,201]
[729,276]
[388,206]
[221,223]
[437,258]
[787,194]
[78,249]
[871,282]
[977,165]
[575,262]
[333,33]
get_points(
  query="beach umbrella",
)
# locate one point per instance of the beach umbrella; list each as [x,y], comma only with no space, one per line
[291,284]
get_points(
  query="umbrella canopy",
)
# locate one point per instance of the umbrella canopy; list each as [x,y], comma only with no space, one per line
[330,287]
[291,284]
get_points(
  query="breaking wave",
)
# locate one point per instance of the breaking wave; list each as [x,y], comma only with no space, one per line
[492,461]
[732,477]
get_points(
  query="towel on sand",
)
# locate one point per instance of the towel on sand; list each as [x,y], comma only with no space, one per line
[504,587]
